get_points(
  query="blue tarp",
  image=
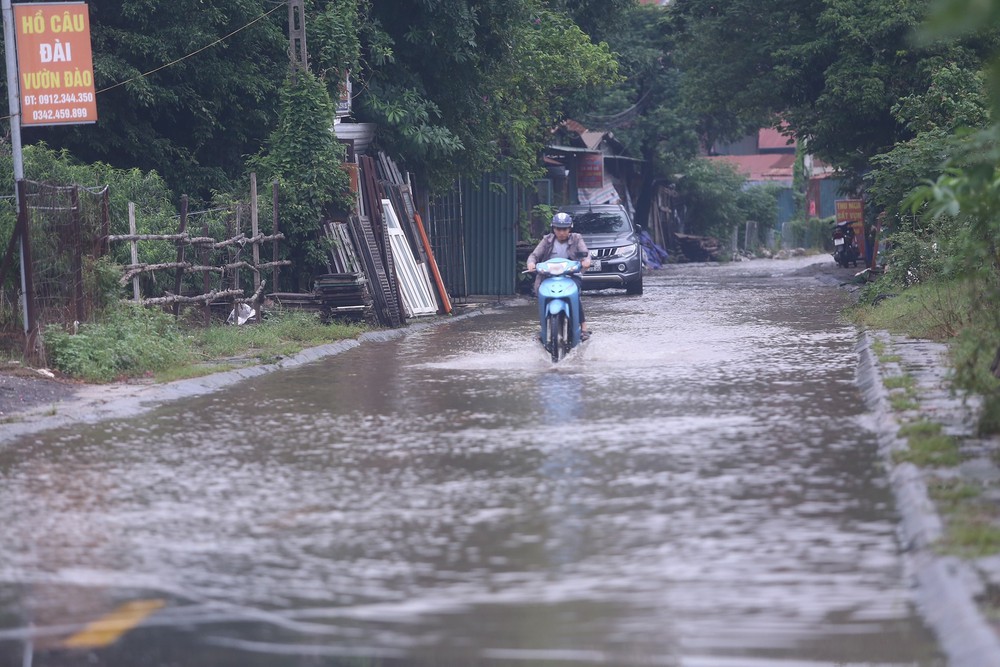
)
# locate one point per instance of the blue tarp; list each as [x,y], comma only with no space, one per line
[653,255]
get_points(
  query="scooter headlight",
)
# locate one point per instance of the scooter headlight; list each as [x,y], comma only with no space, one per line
[556,269]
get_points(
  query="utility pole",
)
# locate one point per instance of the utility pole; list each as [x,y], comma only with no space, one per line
[297,53]
[14,105]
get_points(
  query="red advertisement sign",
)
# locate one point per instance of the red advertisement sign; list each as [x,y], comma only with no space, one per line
[853,211]
[590,170]
[54,63]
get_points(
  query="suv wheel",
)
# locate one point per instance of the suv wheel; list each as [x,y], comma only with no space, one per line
[634,287]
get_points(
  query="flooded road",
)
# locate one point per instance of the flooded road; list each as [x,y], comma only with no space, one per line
[695,486]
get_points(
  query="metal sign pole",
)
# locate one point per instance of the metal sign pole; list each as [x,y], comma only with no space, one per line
[14,104]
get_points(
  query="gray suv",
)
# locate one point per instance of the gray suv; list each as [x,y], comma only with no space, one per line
[613,241]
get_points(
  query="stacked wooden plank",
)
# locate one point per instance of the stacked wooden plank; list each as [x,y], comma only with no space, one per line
[371,241]
[335,296]
[296,301]
[342,295]
[344,291]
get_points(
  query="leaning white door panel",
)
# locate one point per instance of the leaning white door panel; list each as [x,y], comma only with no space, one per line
[414,286]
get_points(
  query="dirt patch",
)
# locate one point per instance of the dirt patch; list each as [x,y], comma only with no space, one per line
[829,272]
[23,389]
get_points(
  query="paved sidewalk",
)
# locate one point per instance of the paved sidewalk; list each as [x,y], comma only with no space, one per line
[959,595]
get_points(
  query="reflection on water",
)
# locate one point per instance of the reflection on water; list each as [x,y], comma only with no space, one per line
[693,486]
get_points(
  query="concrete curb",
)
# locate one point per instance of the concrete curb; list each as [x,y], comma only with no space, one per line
[96,403]
[946,586]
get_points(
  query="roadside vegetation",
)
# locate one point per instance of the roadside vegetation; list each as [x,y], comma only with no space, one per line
[971,530]
[131,341]
[965,503]
[943,308]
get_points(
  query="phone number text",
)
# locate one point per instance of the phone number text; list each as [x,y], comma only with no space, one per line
[59,114]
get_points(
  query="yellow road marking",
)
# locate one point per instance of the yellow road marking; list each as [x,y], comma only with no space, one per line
[107,629]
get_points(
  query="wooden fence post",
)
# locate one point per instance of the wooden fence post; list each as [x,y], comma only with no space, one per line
[253,231]
[78,310]
[180,254]
[104,245]
[134,244]
[235,281]
[205,288]
[274,232]
[33,350]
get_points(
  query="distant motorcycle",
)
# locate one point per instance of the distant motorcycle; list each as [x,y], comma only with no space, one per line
[845,245]
[558,306]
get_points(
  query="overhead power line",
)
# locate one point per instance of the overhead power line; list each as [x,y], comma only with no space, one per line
[189,55]
[194,53]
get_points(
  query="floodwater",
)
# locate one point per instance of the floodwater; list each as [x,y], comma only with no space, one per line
[696,486]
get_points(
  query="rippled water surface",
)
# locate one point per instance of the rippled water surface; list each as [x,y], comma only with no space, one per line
[695,486]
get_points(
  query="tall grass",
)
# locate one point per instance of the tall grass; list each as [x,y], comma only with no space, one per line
[952,311]
[129,341]
[281,334]
[132,341]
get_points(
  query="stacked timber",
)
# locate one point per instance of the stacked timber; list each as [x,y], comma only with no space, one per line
[343,296]
[697,248]
[335,296]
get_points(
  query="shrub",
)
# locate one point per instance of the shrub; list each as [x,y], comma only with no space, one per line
[813,233]
[131,341]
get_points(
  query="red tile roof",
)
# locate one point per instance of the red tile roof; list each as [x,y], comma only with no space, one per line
[767,167]
[574,126]
[771,138]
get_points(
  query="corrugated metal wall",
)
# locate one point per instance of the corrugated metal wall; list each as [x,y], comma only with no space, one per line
[826,190]
[786,205]
[473,231]
[491,212]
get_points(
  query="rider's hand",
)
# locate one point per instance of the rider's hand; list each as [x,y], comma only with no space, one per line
[531,266]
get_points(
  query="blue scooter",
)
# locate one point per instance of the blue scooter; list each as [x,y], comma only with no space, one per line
[558,306]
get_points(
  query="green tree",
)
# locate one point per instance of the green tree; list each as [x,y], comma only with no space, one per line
[303,155]
[645,110]
[955,100]
[468,86]
[603,20]
[760,204]
[964,201]
[711,193]
[174,98]
[190,87]
[333,38]
[831,69]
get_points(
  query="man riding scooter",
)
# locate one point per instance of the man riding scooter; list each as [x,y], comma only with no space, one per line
[564,243]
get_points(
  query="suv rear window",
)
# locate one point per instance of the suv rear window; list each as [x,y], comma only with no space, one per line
[596,222]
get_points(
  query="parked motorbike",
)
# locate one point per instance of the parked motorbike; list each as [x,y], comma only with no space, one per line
[558,306]
[845,245]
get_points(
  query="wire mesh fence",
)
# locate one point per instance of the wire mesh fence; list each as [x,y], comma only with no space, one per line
[66,228]
[81,260]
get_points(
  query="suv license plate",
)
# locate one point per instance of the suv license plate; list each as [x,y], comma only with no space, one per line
[595,265]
